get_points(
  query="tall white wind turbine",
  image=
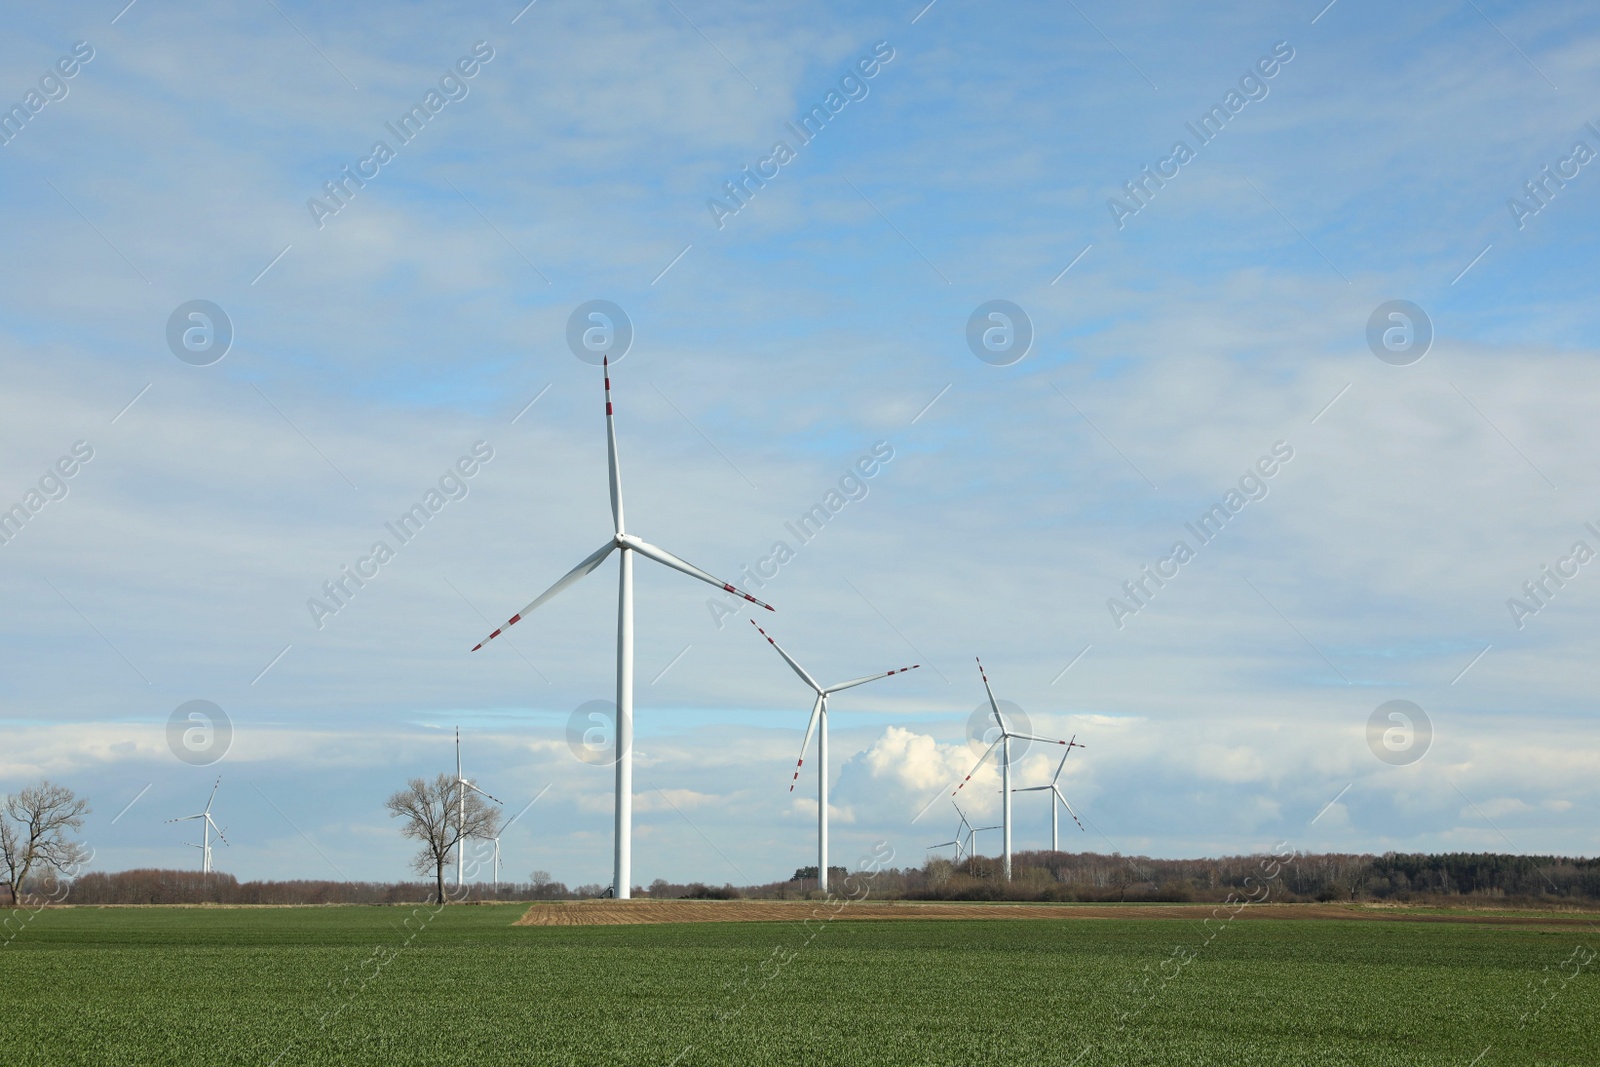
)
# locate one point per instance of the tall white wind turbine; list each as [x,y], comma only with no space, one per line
[208,825]
[1056,794]
[819,722]
[627,546]
[462,785]
[1003,743]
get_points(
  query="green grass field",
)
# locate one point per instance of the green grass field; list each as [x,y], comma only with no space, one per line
[344,986]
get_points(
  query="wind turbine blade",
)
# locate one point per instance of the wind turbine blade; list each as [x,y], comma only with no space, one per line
[1070,812]
[944,844]
[816,713]
[186,818]
[213,795]
[571,576]
[975,767]
[994,707]
[1031,737]
[662,556]
[611,451]
[790,660]
[870,678]
[1062,765]
[475,789]
[217,828]
[1034,789]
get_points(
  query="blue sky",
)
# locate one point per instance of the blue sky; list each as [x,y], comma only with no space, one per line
[1225,316]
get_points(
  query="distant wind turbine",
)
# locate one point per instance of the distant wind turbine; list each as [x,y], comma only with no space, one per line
[462,785]
[208,825]
[1055,790]
[819,718]
[1003,743]
[508,826]
[963,834]
[626,545]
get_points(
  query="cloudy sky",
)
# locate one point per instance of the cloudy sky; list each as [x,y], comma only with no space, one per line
[1227,315]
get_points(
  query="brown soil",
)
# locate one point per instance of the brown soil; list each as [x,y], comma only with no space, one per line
[632,912]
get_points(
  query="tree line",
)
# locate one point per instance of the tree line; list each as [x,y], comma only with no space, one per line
[39,857]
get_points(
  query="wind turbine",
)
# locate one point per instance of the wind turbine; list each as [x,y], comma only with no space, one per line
[819,717]
[209,825]
[1003,743]
[972,839]
[1055,814]
[962,839]
[462,785]
[508,826]
[626,545]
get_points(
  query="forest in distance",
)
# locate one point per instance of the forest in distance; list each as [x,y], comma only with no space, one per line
[1404,878]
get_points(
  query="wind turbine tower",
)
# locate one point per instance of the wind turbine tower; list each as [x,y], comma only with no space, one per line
[1003,743]
[1056,794]
[819,722]
[208,825]
[462,785]
[627,546]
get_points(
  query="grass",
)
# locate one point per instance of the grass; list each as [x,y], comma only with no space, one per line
[304,986]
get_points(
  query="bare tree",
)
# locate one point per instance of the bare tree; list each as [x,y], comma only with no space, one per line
[432,814]
[33,834]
